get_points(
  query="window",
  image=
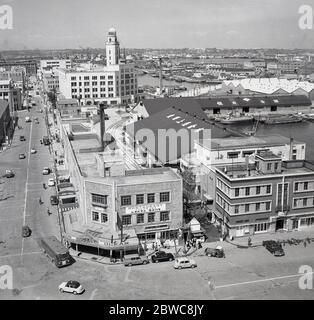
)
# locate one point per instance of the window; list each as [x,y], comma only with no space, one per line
[94,77]
[247,208]
[95,216]
[304,202]
[164,196]
[86,78]
[164,216]
[237,192]
[257,207]
[258,190]
[110,77]
[151,217]
[232,155]
[125,200]
[140,218]
[276,165]
[236,208]
[268,188]
[104,217]
[267,206]
[247,191]
[126,220]
[306,185]
[99,199]
[268,166]
[139,199]
[296,186]
[150,197]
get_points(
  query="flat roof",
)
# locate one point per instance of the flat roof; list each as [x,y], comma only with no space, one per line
[245,142]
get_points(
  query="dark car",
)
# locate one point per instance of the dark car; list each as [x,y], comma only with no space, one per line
[26,231]
[9,174]
[274,248]
[162,256]
[54,200]
[22,138]
[217,252]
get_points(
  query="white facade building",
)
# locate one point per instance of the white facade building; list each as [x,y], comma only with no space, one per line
[54,63]
[116,83]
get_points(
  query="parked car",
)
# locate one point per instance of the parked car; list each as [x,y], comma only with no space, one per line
[274,248]
[162,256]
[51,182]
[22,138]
[33,150]
[184,262]
[22,156]
[26,231]
[46,171]
[9,174]
[71,287]
[54,200]
[28,119]
[134,259]
[218,252]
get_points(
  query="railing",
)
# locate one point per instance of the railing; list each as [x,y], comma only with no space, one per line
[284,208]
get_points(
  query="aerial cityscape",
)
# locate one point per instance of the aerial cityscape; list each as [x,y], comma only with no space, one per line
[168,158]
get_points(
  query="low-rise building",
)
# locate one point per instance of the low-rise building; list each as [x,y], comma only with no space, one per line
[12,94]
[266,196]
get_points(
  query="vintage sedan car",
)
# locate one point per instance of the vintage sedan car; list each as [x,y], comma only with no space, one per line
[26,231]
[71,287]
[134,259]
[162,256]
[184,262]
[9,173]
[274,248]
[46,171]
[51,182]
[22,156]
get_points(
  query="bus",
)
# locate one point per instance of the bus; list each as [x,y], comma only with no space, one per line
[56,251]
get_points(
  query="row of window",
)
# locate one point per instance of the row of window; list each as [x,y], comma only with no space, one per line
[151,217]
[74,78]
[99,217]
[303,203]
[244,191]
[127,200]
[243,208]
[304,186]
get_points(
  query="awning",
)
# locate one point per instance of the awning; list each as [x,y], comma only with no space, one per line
[198,233]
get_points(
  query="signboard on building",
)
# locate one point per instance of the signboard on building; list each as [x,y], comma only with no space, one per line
[146,208]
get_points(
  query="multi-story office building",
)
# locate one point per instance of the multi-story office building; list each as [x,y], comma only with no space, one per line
[12,94]
[50,81]
[266,196]
[113,202]
[55,63]
[116,83]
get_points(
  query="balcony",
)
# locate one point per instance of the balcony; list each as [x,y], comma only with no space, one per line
[282,210]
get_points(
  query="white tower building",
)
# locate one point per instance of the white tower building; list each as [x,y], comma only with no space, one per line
[112,48]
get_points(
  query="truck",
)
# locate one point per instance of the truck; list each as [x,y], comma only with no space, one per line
[56,251]
[46,140]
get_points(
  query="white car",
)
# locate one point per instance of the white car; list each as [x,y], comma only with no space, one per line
[33,150]
[46,171]
[184,262]
[51,182]
[71,287]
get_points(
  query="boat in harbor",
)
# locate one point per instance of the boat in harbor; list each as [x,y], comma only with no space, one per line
[235,119]
[283,119]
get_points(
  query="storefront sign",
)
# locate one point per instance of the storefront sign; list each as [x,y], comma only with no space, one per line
[146,208]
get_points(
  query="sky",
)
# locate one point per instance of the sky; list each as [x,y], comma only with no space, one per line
[61,24]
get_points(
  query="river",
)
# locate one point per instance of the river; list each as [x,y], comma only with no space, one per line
[147,80]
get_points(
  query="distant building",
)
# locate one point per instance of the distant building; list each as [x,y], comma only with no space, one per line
[267,196]
[50,81]
[55,63]
[5,121]
[11,94]
[29,65]
[116,83]
[69,108]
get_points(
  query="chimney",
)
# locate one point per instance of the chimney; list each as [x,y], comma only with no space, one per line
[102,126]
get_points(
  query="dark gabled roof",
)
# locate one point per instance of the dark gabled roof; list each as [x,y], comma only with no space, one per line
[197,106]
[190,105]
[3,106]
[175,120]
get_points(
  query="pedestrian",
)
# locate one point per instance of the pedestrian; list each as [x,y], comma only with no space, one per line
[304,243]
[44,186]
[199,245]
[249,241]
[40,202]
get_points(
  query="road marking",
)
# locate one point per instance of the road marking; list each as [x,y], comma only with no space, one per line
[18,254]
[260,280]
[92,296]
[26,184]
